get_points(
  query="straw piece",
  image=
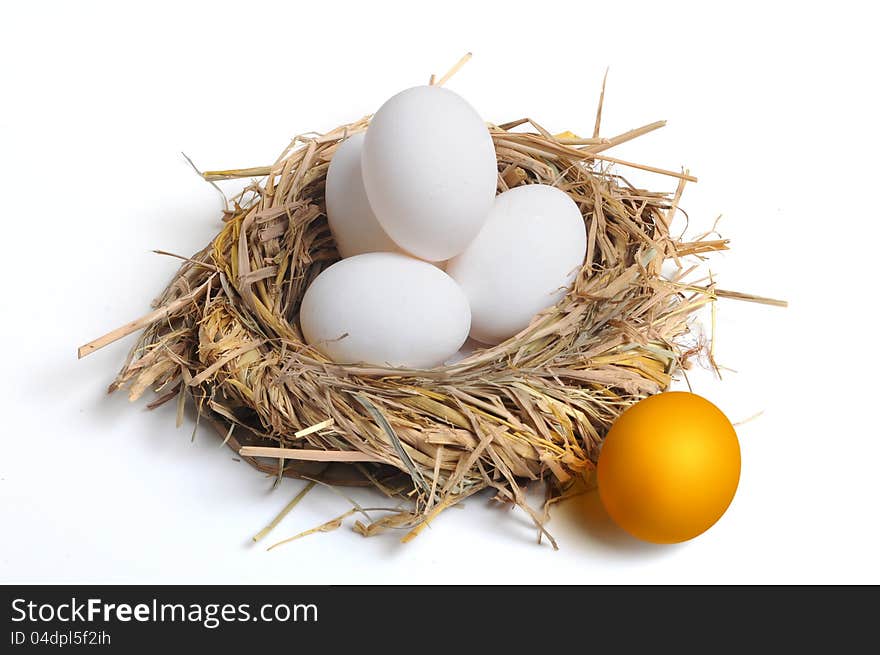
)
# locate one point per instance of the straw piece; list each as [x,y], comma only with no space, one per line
[452,71]
[601,102]
[308,455]
[313,428]
[627,136]
[284,512]
[143,321]
[645,167]
[737,295]
[329,526]
[235,173]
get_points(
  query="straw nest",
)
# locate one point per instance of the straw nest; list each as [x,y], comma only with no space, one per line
[225,337]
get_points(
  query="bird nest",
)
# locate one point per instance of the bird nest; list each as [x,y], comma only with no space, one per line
[225,337]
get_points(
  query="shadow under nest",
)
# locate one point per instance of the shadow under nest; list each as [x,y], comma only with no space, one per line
[535,407]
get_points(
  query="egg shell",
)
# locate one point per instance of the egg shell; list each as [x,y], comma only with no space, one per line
[385,309]
[430,171]
[352,221]
[524,260]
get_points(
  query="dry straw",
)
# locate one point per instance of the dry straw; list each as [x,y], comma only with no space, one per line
[224,336]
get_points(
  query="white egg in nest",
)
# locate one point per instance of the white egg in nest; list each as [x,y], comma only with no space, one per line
[349,214]
[385,309]
[524,260]
[430,171]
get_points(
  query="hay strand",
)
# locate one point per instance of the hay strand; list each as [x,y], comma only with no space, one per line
[284,512]
[452,71]
[598,122]
[307,455]
[143,321]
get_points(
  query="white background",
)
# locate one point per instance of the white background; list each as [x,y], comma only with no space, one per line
[772,106]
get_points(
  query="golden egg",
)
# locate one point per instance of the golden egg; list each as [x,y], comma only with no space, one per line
[669,467]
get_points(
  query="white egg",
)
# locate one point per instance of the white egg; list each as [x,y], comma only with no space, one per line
[385,309]
[430,171]
[352,221]
[524,260]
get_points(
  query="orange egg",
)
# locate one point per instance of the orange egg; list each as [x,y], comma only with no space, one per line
[669,467]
